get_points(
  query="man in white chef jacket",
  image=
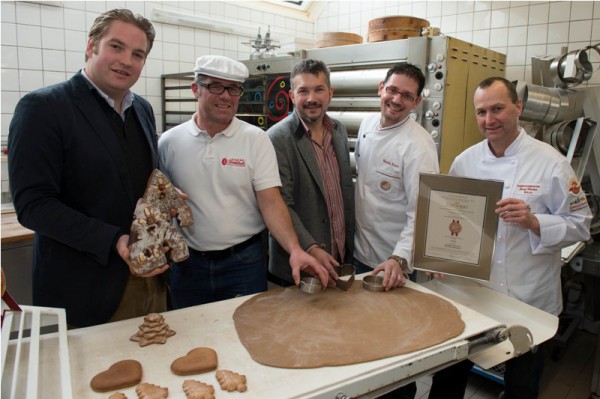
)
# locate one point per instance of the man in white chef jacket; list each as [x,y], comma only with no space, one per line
[391,150]
[542,210]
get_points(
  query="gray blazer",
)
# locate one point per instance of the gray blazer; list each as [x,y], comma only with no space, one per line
[302,190]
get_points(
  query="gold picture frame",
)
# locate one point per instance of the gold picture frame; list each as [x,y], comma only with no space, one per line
[456,225]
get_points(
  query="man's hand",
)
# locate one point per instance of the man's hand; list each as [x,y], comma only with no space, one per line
[512,210]
[323,257]
[123,250]
[393,276]
[301,261]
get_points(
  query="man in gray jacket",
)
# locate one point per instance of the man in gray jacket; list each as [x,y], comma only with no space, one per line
[314,166]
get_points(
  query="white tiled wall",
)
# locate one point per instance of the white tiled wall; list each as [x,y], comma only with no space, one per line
[44,44]
[519,29]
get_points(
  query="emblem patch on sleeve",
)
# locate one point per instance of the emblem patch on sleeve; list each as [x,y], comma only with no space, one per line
[577,198]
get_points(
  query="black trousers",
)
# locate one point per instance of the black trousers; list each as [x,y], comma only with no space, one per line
[521,378]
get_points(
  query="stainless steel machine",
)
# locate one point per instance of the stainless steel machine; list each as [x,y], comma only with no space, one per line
[452,68]
[566,117]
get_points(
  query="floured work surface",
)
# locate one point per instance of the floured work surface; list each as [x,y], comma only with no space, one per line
[290,329]
[93,349]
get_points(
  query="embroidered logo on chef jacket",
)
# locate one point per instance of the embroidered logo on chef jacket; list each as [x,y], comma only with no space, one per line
[388,173]
[238,162]
[385,185]
[529,189]
[577,198]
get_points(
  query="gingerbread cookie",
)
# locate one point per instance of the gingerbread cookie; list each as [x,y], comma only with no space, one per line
[198,390]
[152,227]
[123,374]
[118,395]
[151,230]
[230,381]
[197,361]
[153,330]
[151,391]
[161,193]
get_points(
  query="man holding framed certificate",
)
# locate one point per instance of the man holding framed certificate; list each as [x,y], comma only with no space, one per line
[542,210]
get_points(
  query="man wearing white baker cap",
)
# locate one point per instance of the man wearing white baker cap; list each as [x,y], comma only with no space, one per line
[229,170]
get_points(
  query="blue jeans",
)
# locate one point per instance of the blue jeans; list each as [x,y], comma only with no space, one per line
[360,267]
[199,280]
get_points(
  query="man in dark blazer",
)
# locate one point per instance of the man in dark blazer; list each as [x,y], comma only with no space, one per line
[316,177]
[80,154]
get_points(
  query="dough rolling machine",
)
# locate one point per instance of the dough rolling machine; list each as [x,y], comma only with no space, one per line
[452,69]
[491,336]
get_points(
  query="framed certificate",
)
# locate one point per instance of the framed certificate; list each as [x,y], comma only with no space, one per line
[455,225]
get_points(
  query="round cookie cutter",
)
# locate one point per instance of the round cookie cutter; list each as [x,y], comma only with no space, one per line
[310,285]
[373,283]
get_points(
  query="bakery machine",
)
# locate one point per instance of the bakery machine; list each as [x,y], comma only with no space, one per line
[565,114]
[452,69]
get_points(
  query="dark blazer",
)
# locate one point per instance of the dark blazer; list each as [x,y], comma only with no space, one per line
[302,190]
[70,184]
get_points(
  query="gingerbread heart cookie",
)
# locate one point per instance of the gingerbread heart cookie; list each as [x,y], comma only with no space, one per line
[123,374]
[197,361]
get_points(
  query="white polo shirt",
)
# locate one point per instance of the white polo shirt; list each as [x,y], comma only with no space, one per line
[220,175]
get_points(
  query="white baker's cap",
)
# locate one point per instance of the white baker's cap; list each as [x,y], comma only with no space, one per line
[221,67]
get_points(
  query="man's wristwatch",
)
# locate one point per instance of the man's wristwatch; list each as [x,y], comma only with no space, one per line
[402,262]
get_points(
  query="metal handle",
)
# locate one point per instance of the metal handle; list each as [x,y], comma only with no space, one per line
[519,336]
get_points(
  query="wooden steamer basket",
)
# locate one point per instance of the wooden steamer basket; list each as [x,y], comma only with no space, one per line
[395,27]
[332,39]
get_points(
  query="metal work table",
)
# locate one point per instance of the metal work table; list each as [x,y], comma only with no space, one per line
[94,349]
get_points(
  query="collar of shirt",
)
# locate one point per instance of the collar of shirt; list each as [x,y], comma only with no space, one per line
[228,132]
[395,125]
[127,100]
[512,149]
[328,124]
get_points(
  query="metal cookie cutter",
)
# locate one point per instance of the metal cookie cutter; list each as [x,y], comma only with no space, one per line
[344,270]
[310,285]
[373,283]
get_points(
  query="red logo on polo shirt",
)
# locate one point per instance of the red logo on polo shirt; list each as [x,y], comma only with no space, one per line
[240,163]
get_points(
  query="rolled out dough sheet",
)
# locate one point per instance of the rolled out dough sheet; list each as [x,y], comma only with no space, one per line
[290,329]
